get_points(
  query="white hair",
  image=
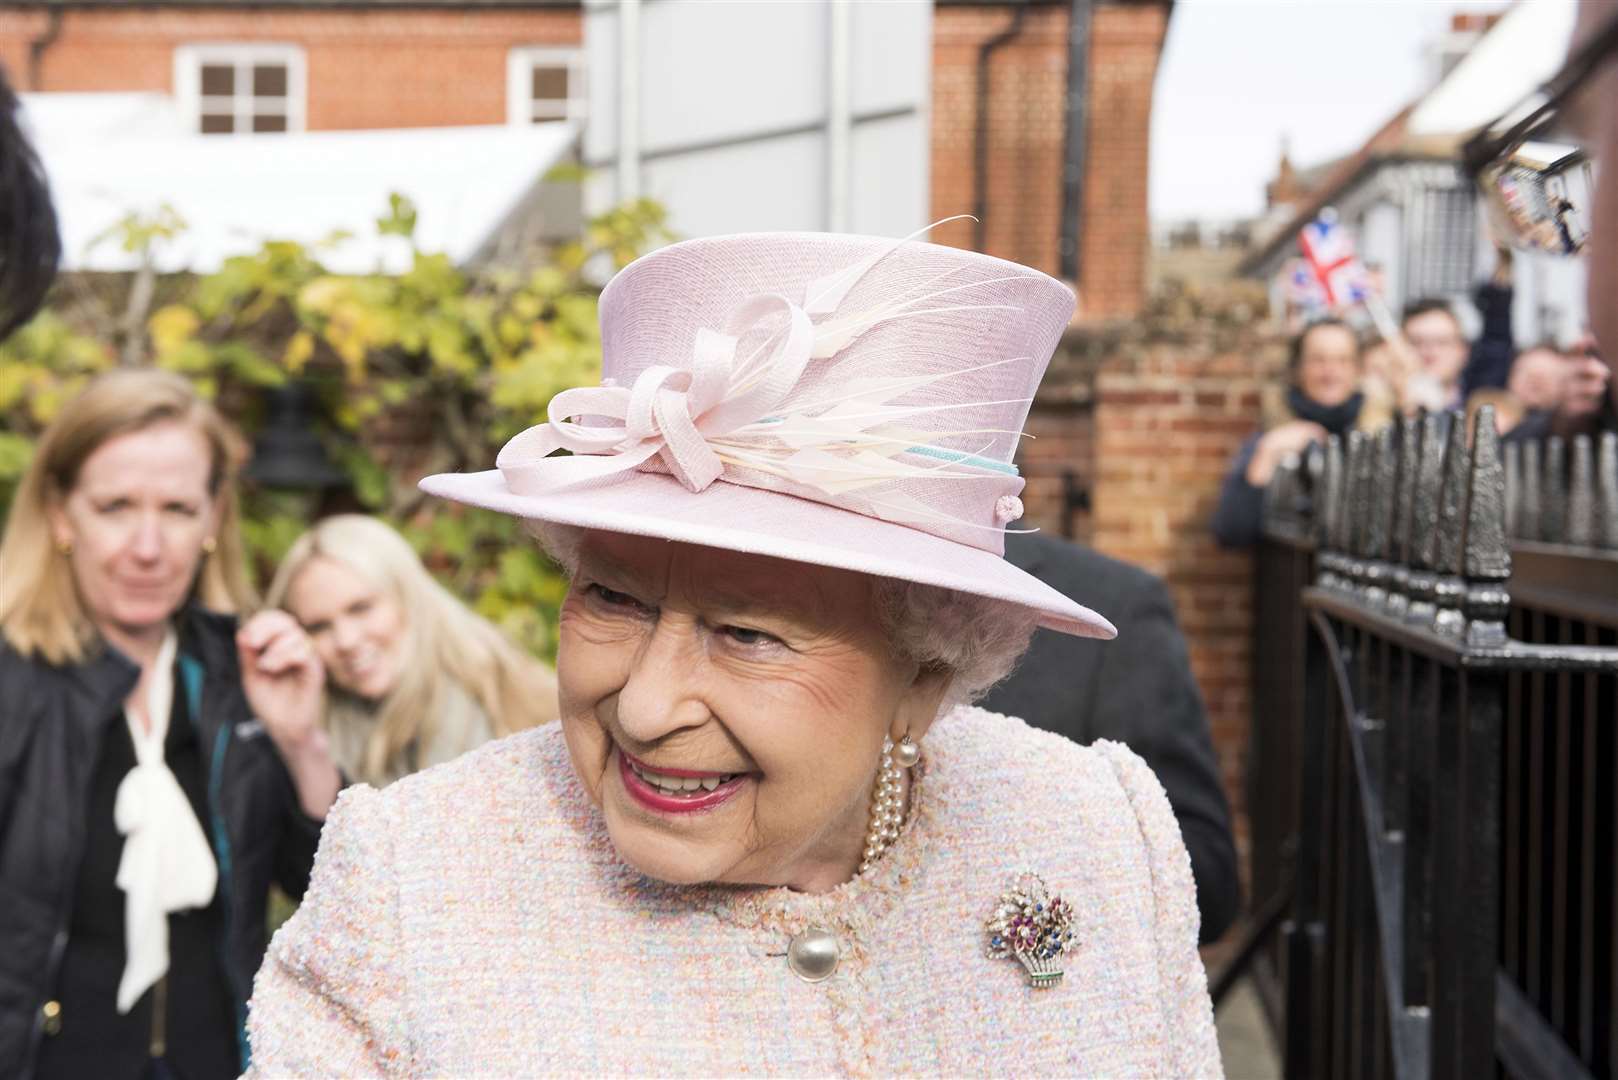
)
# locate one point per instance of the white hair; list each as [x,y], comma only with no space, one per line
[978,640]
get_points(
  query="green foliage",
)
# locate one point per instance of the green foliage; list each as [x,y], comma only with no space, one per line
[428,370]
[273,520]
[15,454]
[138,234]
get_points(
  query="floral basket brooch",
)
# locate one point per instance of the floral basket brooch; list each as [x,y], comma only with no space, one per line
[1034,926]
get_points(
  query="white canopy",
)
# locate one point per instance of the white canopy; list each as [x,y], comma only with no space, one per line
[108,155]
[1522,50]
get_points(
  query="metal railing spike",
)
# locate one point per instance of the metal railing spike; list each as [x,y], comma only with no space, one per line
[1581,494]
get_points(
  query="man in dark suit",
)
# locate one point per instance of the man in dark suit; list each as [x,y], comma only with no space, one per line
[1137,690]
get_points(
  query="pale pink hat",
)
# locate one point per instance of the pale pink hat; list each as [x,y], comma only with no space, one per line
[846,401]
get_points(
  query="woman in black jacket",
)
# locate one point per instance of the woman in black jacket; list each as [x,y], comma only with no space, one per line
[158,769]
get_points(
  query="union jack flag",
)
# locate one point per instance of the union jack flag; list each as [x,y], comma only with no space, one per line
[1303,289]
[1328,256]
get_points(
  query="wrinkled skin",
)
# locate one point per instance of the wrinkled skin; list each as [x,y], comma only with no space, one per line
[715,661]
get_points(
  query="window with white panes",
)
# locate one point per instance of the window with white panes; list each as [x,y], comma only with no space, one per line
[241,89]
[1441,263]
[544,84]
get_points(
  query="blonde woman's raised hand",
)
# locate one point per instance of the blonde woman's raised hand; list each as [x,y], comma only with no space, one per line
[285,685]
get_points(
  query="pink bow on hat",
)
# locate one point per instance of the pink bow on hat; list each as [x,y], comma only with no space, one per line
[670,411]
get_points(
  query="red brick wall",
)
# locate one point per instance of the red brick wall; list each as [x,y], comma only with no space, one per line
[1026,131]
[366,69]
[1171,399]
[1060,432]
[1027,84]
[1125,42]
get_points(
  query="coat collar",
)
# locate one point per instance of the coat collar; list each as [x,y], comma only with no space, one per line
[106,678]
[101,682]
[209,638]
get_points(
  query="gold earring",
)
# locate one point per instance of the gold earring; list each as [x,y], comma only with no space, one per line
[209,545]
[64,547]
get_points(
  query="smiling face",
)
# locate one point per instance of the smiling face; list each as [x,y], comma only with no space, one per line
[357,628]
[137,517]
[761,689]
[1329,365]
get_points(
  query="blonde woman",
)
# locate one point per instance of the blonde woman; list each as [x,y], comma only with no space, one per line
[159,769]
[414,678]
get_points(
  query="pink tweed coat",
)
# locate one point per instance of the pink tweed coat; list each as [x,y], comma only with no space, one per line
[474,920]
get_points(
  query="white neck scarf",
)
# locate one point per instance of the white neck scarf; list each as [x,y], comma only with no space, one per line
[167,864]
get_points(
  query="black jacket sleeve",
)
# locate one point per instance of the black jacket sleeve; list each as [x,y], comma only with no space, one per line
[16,685]
[1489,363]
[1238,520]
[1146,697]
[295,854]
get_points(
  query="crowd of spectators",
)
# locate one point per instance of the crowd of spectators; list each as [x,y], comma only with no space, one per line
[1337,381]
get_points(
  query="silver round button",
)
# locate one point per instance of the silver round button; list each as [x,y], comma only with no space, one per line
[813,954]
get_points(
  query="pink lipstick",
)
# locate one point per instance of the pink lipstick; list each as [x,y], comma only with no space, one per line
[654,788]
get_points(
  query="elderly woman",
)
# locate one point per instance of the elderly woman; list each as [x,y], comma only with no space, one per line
[413,677]
[158,769]
[768,835]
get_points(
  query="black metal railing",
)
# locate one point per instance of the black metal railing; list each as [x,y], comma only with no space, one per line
[1559,927]
[1563,493]
[1434,756]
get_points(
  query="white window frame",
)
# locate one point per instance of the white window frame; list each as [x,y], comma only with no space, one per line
[520,64]
[189,61]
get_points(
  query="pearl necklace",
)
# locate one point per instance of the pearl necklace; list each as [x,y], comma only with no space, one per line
[887,810]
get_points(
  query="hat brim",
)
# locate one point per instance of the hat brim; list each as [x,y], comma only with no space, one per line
[737,518]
